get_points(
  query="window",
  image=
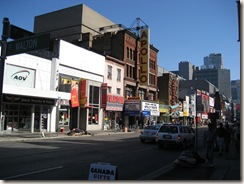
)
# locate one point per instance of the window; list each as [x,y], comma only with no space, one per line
[150,96]
[131,54]
[109,72]
[127,52]
[141,94]
[109,89]
[94,101]
[118,91]
[131,72]
[127,70]
[152,79]
[128,92]
[118,74]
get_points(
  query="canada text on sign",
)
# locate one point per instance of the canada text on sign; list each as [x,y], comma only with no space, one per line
[28,44]
[103,171]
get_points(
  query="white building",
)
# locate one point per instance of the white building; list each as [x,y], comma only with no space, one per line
[37,92]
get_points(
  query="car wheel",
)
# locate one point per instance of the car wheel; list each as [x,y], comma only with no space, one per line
[142,140]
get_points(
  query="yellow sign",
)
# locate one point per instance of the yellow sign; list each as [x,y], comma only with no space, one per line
[144,57]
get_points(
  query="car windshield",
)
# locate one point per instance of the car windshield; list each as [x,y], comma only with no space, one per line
[168,129]
[152,127]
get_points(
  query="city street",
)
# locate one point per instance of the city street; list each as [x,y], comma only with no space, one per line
[70,158]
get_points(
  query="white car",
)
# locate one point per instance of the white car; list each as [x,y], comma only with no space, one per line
[179,135]
[149,133]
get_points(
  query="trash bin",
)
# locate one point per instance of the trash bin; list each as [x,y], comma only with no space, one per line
[62,129]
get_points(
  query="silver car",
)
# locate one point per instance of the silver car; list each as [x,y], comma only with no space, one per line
[149,133]
[178,135]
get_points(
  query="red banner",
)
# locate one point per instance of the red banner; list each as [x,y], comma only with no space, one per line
[83,97]
[74,94]
[104,95]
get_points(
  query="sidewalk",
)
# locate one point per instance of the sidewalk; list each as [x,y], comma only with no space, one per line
[226,167]
[7,136]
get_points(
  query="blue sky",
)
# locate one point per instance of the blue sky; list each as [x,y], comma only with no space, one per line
[182,30]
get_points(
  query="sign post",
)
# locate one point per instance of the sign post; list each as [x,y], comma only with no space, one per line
[25,42]
[5,35]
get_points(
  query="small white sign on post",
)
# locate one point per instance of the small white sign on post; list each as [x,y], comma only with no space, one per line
[103,171]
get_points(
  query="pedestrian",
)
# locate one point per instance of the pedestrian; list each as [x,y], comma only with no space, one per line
[220,133]
[121,123]
[228,132]
[236,131]
[209,138]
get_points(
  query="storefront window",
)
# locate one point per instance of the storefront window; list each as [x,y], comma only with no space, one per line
[94,103]
[64,115]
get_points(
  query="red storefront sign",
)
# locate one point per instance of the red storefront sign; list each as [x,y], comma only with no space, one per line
[74,94]
[104,95]
[83,97]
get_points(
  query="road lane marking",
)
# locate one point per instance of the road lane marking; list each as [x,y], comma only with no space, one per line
[34,172]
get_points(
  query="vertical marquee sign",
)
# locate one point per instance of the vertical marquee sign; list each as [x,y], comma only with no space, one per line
[144,57]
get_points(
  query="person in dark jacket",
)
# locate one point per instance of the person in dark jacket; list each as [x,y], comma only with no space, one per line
[220,133]
[209,137]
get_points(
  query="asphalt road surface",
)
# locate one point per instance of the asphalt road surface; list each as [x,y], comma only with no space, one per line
[70,158]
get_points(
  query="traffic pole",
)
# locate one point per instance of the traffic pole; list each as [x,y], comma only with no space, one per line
[5,36]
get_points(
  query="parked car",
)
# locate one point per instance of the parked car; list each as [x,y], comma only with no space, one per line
[149,133]
[179,135]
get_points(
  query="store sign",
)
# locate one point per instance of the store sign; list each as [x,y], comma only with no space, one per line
[27,100]
[83,95]
[146,113]
[152,107]
[144,57]
[103,171]
[28,44]
[114,102]
[104,95]
[132,107]
[74,94]
[19,76]
[114,107]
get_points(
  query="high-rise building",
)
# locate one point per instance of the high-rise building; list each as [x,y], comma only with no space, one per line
[218,77]
[236,91]
[214,61]
[186,70]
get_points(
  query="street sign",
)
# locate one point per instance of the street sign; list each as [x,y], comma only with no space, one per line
[17,32]
[28,44]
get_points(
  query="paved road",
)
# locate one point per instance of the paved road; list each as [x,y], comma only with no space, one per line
[70,158]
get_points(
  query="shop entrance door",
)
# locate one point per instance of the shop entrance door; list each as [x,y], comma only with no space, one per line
[41,118]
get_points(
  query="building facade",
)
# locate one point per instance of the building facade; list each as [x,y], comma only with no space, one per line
[47,95]
[218,77]
[214,61]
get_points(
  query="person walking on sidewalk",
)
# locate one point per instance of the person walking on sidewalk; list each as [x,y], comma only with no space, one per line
[221,133]
[227,136]
[209,137]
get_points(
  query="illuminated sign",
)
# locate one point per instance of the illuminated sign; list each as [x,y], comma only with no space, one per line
[144,57]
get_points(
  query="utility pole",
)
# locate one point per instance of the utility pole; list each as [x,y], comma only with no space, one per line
[5,36]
